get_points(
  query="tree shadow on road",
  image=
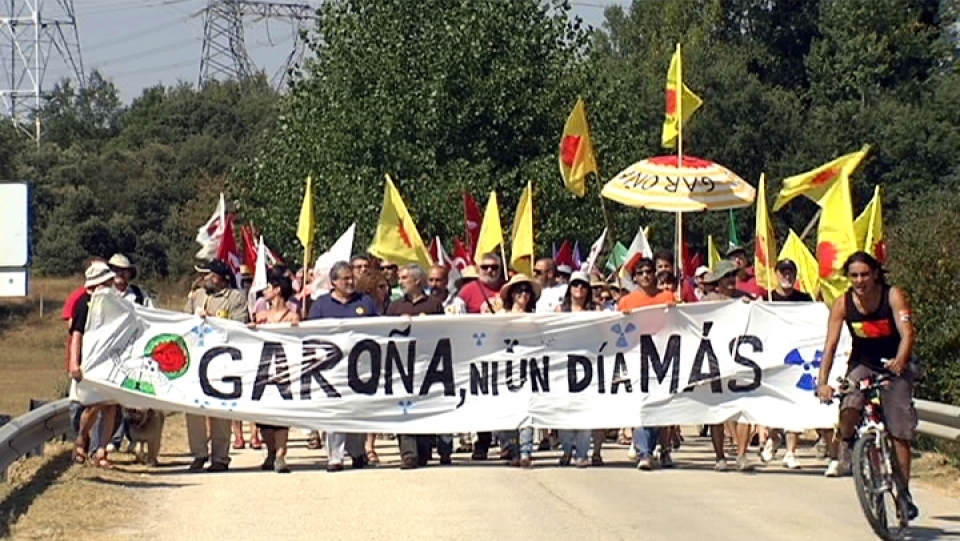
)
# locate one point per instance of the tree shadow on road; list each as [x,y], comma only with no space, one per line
[926,533]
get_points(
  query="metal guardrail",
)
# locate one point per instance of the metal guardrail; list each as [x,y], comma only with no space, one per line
[938,420]
[24,435]
[27,433]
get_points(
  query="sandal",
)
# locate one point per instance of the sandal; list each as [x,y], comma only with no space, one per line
[104,463]
[256,445]
[239,444]
[80,450]
[373,458]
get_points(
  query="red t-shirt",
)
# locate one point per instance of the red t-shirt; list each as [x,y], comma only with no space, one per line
[475,294]
[750,286]
[71,302]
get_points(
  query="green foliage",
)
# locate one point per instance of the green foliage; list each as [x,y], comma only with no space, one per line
[109,178]
[924,244]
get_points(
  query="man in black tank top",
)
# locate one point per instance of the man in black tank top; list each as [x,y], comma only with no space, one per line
[878,317]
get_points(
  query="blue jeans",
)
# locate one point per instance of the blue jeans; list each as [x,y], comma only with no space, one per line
[575,439]
[645,440]
[519,443]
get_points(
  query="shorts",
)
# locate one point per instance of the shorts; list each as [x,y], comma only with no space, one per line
[898,409]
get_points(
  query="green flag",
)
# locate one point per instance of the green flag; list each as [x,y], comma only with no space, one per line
[732,239]
[617,257]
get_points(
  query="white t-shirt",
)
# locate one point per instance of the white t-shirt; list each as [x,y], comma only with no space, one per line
[551,298]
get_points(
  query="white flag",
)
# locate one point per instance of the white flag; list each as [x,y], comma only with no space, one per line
[210,234]
[594,253]
[638,248]
[453,272]
[260,274]
[341,250]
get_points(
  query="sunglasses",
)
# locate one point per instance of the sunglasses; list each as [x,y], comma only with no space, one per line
[389,267]
[523,291]
[537,272]
[644,272]
[489,267]
[606,298]
[580,284]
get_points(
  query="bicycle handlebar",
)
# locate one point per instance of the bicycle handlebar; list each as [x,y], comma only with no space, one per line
[849,386]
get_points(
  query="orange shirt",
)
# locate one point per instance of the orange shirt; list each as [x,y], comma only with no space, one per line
[639,299]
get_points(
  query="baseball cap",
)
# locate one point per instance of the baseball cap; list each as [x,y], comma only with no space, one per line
[786,265]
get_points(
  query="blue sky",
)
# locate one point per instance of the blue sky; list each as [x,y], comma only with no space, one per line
[139,43]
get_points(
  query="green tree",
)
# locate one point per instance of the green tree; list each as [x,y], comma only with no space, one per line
[471,98]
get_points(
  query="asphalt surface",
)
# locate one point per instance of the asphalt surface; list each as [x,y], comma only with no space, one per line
[489,500]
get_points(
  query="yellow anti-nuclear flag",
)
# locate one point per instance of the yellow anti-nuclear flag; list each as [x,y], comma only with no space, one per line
[814,184]
[836,239]
[681,102]
[765,242]
[577,159]
[491,232]
[869,227]
[521,253]
[713,256]
[306,226]
[808,272]
[397,239]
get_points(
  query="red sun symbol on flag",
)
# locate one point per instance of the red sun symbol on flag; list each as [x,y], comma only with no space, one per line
[824,177]
[569,148]
[671,101]
[827,257]
[404,236]
[761,250]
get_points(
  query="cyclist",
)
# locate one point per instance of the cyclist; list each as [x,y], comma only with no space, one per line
[878,317]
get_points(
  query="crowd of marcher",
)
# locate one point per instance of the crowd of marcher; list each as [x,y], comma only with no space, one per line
[367,287]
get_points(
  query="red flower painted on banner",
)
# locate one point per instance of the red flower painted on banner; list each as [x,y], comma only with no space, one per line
[569,148]
[827,257]
[169,351]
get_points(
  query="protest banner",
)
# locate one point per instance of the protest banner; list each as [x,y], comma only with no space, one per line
[689,364]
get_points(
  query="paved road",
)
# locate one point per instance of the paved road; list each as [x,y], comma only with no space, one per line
[471,499]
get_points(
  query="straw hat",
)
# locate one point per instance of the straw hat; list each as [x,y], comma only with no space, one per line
[516,280]
[97,273]
[120,261]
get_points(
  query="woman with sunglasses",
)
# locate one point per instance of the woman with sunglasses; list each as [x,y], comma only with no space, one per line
[518,296]
[375,284]
[579,298]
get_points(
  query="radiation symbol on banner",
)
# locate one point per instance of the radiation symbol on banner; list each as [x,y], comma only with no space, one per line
[809,363]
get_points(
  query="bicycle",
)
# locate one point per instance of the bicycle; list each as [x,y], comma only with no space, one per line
[876,470]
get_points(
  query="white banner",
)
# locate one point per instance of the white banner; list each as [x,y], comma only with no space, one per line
[690,364]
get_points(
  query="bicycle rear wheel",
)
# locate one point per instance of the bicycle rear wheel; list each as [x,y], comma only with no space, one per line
[877,489]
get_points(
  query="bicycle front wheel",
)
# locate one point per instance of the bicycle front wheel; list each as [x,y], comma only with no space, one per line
[875,485]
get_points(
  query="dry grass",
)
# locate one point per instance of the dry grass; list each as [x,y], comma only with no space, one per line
[32,366]
[937,471]
[109,500]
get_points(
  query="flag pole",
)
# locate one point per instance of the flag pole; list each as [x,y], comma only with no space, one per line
[813,222]
[679,221]
[603,204]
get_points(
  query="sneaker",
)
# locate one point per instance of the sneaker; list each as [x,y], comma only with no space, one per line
[632,452]
[565,460]
[645,464]
[790,462]
[408,464]
[582,462]
[197,464]
[269,463]
[111,447]
[666,461]
[280,465]
[838,468]
[912,510]
[743,464]
[446,460]
[526,461]
[721,465]
[769,451]
[333,468]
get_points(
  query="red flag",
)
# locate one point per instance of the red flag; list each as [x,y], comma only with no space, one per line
[249,246]
[461,256]
[690,263]
[437,253]
[564,255]
[472,219]
[228,252]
